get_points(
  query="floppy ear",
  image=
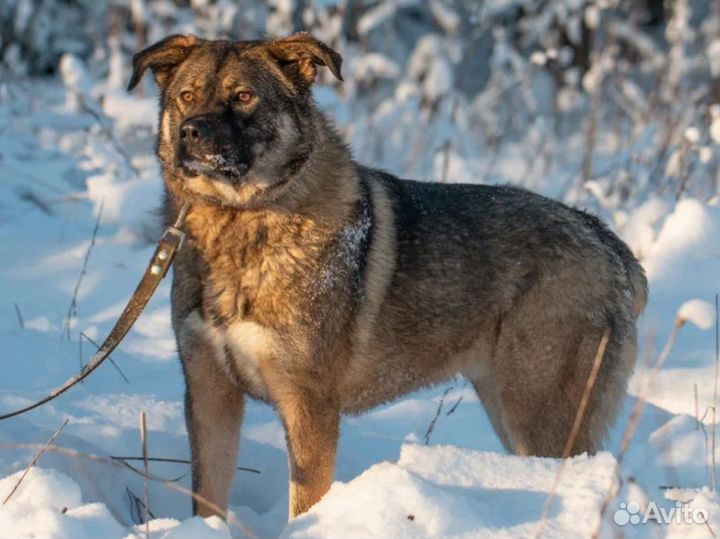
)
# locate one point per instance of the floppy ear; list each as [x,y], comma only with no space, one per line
[163,58]
[300,53]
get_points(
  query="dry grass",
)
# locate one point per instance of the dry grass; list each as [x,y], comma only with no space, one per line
[634,421]
[35,460]
[144,444]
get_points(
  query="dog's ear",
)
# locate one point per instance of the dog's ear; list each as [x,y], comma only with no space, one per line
[162,58]
[299,55]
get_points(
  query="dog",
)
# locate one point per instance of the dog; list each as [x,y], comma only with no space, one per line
[324,287]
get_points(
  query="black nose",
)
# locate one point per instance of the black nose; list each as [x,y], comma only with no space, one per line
[194,130]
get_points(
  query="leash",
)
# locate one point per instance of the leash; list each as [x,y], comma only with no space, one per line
[170,243]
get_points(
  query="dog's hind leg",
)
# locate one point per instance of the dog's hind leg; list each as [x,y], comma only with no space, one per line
[542,382]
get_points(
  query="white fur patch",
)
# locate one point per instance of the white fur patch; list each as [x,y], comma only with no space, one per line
[247,341]
[227,191]
[199,185]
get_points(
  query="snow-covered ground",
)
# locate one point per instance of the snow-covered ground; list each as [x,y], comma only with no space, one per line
[67,161]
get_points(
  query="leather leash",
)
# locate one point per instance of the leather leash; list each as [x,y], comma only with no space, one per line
[170,243]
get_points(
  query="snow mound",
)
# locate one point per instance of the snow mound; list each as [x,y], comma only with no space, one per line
[447,492]
[48,504]
[196,527]
[687,235]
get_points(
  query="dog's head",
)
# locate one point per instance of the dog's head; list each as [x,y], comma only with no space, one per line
[237,118]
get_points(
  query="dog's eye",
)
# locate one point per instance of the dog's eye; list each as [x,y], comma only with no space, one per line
[187,96]
[243,96]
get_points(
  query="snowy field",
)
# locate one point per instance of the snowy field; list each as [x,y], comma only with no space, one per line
[69,163]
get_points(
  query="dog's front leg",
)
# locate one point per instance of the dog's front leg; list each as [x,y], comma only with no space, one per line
[312,428]
[213,412]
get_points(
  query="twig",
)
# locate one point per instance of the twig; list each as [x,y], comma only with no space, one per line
[634,420]
[454,406]
[457,402]
[72,309]
[149,476]
[34,461]
[138,509]
[431,426]
[96,345]
[19,316]
[74,453]
[574,431]
[144,441]
[180,461]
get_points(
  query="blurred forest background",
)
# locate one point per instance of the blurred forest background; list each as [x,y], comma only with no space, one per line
[597,102]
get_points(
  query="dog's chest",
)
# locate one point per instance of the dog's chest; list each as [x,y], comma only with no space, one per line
[260,269]
[239,349]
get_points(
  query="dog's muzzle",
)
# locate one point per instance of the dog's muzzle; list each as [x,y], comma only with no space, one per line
[201,152]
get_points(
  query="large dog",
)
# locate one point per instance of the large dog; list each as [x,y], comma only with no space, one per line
[324,287]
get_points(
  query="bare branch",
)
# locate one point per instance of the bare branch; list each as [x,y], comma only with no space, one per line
[431,426]
[97,346]
[634,421]
[179,461]
[72,309]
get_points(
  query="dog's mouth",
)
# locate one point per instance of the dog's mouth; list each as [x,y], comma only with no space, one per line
[214,166]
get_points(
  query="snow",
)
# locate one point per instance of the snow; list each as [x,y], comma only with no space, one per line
[698,312]
[692,135]
[373,65]
[688,234]
[209,528]
[131,112]
[448,492]
[376,16]
[538,58]
[48,504]
[430,66]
